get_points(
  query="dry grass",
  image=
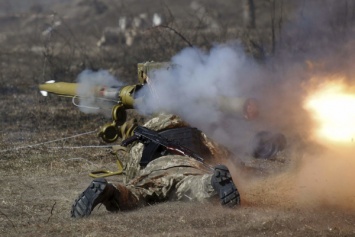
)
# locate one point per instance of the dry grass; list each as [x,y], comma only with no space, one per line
[39,183]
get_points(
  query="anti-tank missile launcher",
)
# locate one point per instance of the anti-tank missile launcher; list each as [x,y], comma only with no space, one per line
[124,94]
[126,97]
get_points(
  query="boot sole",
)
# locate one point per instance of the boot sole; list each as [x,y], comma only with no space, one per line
[84,204]
[222,182]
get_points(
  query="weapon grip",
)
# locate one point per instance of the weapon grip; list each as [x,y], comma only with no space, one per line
[129,140]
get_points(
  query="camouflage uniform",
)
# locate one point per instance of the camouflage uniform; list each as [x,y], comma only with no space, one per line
[172,177]
[169,177]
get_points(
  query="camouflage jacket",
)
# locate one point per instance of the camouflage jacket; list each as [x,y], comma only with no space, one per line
[163,122]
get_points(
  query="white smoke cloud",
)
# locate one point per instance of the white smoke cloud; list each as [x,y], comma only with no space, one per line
[90,102]
[193,86]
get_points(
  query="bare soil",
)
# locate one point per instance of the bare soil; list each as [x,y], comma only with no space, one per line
[43,169]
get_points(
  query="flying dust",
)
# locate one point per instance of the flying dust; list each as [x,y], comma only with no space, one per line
[322,177]
[323,180]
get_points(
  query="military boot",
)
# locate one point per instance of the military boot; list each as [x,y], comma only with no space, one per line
[99,191]
[223,184]
[115,198]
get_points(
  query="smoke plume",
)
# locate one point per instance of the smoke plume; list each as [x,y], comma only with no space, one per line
[193,86]
[90,102]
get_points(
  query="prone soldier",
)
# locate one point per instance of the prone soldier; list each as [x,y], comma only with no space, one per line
[153,172]
[164,175]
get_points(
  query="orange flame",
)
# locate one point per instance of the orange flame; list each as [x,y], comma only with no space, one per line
[333,107]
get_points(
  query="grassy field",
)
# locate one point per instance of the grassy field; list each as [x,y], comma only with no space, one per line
[43,168]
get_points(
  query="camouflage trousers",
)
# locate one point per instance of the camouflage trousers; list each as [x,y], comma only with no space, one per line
[171,177]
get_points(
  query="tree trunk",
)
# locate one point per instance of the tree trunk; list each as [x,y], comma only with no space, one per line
[249,13]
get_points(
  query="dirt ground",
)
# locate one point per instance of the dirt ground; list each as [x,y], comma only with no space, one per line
[48,146]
